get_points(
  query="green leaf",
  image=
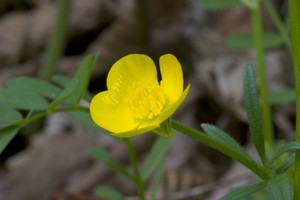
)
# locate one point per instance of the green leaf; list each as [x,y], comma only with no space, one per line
[282,96]
[154,157]
[108,193]
[225,139]
[21,99]
[244,191]
[40,87]
[288,163]
[85,119]
[11,115]
[63,81]
[246,41]
[280,188]
[105,157]
[219,4]
[253,109]
[83,74]
[6,135]
[70,89]
[284,149]
[252,4]
[157,179]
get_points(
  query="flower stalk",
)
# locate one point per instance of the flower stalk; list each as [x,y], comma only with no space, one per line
[134,163]
[57,40]
[261,71]
[294,8]
[197,135]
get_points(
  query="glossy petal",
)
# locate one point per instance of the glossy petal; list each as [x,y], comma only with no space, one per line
[108,113]
[131,69]
[172,78]
[135,103]
[169,111]
[135,132]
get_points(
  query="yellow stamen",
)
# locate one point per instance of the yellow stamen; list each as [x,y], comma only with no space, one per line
[147,100]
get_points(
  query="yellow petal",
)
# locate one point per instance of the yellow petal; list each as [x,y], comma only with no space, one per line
[167,112]
[172,78]
[136,132]
[131,69]
[109,112]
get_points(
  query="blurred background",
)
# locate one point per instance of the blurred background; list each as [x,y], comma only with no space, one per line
[50,161]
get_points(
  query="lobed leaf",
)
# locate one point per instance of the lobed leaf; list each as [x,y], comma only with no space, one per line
[251,4]
[246,41]
[108,193]
[83,74]
[219,4]
[105,157]
[22,99]
[244,191]
[85,119]
[282,96]
[280,188]
[34,85]
[70,89]
[157,179]
[288,163]
[253,109]
[225,139]
[6,135]
[63,81]
[155,156]
[9,115]
[284,149]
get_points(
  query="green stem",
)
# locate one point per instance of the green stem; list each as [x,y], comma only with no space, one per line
[278,23]
[250,164]
[294,7]
[40,115]
[266,113]
[134,162]
[56,43]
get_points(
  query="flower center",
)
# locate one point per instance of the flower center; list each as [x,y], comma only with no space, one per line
[146,100]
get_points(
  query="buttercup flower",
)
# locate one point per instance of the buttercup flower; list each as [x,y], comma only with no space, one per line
[135,101]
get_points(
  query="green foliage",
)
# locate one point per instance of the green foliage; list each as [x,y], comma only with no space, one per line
[106,158]
[11,115]
[282,96]
[155,156]
[40,98]
[69,90]
[287,164]
[219,4]
[63,81]
[34,85]
[20,99]
[252,4]
[157,179]
[282,149]
[6,135]
[108,193]
[246,41]
[225,139]
[244,191]
[85,119]
[83,74]
[280,188]
[253,109]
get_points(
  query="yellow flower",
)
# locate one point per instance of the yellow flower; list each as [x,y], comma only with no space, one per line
[135,101]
